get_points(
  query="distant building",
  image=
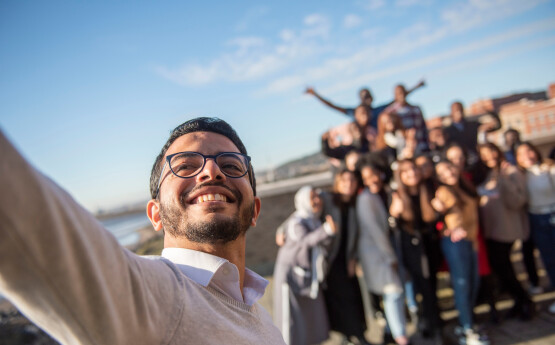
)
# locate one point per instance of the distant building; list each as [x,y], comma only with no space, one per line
[533,118]
[495,104]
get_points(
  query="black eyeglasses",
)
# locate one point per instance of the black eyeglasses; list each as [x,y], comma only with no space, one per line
[189,164]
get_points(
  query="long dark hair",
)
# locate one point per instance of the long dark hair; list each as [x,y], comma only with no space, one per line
[463,186]
[534,149]
[493,147]
[336,196]
[427,212]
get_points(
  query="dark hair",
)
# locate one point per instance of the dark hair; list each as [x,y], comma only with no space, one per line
[337,176]
[426,155]
[365,89]
[199,124]
[493,147]
[376,162]
[401,86]
[511,130]
[427,213]
[464,184]
[457,102]
[453,145]
[531,147]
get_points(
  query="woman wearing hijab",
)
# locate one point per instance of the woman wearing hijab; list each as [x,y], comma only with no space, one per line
[299,308]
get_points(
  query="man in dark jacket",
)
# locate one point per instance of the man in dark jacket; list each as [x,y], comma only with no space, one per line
[465,132]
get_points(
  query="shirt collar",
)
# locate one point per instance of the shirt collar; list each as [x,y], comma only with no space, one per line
[210,270]
[459,125]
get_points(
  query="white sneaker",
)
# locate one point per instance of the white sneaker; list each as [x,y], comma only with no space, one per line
[552,308]
[535,290]
[472,338]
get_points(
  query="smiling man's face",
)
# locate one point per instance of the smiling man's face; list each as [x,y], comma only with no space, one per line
[209,207]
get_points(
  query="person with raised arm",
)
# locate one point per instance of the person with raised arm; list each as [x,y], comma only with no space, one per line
[411,117]
[366,99]
[66,273]
[468,133]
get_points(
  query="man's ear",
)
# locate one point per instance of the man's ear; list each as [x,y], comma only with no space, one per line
[256,211]
[153,213]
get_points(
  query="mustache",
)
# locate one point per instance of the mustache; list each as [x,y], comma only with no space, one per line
[236,194]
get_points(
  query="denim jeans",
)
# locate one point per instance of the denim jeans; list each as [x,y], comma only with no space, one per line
[463,268]
[395,312]
[409,295]
[543,233]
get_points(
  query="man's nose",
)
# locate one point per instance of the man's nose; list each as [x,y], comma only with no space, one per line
[210,171]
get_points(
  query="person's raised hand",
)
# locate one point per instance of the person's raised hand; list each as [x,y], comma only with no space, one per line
[280,239]
[396,207]
[485,127]
[438,205]
[506,168]
[309,90]
[331,223]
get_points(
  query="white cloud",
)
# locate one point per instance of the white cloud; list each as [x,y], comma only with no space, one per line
[284,84]
[317,25]
[251,16]
[464,16]
[351,21]
[450,54]
[353,68]
[287,35]
[372,4]
[371,33]
[494,57]
[252,57]
[410,3]
[244,45]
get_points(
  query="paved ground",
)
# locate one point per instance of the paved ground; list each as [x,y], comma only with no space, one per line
[261,253]
[539,331]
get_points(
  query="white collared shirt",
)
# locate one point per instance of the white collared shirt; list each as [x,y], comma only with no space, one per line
[207,269]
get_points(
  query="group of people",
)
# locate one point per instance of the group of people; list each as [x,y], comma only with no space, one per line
[407,202]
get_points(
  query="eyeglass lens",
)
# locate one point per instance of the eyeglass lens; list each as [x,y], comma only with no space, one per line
[188,164]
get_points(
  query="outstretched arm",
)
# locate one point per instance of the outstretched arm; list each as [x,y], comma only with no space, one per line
[492,125]
[379,109]
[70,276]
[310,91]
[418,85]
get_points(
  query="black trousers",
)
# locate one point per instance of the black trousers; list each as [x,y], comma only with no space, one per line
[529,261]
[499,255]
[417,263]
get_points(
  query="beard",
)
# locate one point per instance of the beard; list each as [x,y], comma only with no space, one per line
[212,229]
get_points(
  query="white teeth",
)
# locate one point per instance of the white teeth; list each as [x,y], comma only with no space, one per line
[211,197]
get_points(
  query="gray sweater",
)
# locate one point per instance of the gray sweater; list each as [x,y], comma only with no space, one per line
[71,277]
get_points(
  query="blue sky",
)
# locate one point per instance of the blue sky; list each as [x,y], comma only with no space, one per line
[90,91]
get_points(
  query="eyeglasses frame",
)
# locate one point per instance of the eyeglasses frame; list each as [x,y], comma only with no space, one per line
[205,157]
